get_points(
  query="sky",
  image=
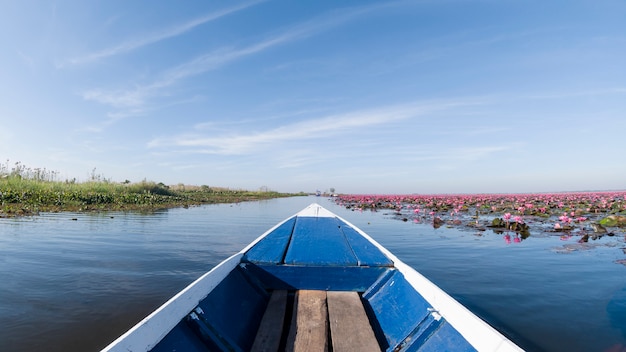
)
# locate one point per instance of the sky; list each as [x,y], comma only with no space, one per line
[386,97]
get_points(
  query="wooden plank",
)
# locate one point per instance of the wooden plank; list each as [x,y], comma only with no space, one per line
[350,328]
[271,328]
[309,327]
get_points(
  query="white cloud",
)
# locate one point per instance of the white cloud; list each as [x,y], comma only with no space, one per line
[141,94]
[116,99]
[323,127]
[156,36]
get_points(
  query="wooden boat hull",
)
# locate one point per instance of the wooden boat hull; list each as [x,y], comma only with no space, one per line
[297,279]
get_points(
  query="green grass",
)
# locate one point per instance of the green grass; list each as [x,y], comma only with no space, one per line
[23,196]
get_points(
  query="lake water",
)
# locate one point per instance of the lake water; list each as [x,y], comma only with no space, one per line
[74,282]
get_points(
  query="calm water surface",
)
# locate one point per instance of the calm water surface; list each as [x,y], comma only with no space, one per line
[75,285]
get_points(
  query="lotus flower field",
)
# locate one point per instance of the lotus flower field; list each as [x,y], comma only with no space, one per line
[577,217]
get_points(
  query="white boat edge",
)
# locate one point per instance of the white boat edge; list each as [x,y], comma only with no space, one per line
[151,330]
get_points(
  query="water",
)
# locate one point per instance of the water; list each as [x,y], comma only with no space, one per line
[78,284]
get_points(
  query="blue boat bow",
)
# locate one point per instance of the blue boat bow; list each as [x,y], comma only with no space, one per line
[268,296]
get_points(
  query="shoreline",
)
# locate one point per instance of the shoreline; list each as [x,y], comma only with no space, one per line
[28,198]
[19,209]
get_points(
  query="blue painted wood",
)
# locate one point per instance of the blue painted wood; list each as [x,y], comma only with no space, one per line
[287,277]
[398,308]
[319,241]
[271,249]
[233,309]
[420,334]
[202,326]
[366,253]
[181,338]
[405,320]
[445,338]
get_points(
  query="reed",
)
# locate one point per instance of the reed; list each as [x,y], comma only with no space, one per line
[24,191]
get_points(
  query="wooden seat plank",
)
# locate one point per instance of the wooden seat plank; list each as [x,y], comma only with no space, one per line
[271,328]
[309,328]
[350,328]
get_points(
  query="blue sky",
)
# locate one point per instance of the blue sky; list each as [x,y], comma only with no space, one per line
[451,96]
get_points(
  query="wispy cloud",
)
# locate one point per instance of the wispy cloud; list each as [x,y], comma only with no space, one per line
[575,94]
[132,112]
[28,60]
[459,154]
[155,36]
[140,94]
[331,125]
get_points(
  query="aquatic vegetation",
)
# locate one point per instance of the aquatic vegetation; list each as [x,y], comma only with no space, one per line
[561,214]
[25,191]
[613,220]
[577,218]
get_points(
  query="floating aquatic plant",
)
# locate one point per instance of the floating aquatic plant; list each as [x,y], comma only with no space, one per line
[578,213]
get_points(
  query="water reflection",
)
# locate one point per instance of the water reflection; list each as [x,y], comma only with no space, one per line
[616,309]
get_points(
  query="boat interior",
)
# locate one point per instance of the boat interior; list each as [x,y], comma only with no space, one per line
[325,290]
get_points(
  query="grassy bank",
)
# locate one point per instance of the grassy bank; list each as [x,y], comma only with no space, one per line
[25,196]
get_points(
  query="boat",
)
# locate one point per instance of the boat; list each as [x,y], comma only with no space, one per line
[313,282]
